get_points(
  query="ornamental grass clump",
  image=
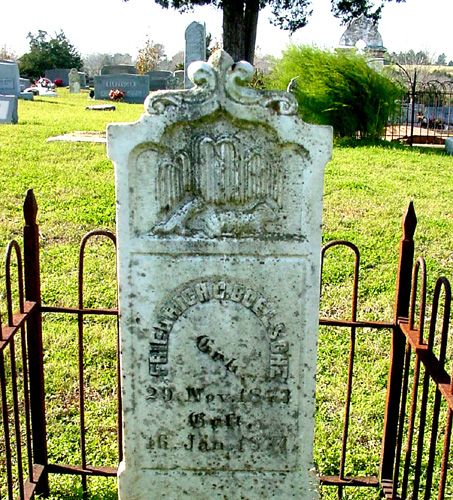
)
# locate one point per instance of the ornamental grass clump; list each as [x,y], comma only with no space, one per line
[337,88]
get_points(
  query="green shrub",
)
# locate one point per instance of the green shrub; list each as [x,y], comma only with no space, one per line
[337,88]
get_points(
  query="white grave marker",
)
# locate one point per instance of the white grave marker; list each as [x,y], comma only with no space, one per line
[74,81]
[219,200]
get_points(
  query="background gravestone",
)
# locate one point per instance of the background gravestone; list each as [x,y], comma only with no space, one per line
[195,47]
[178,75]
[135,87]
[364,29]
[58,74]
[219,202]
[158,80]
[74,81]
[118,69]
[8,109]
[83,79]
[9,78]
[24,83]
[9,91]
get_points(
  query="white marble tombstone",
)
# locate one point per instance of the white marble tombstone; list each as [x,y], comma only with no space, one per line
[74,81]
[194,48]
[219,199]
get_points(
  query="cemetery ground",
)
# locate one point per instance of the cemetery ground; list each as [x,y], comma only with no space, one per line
[367,190]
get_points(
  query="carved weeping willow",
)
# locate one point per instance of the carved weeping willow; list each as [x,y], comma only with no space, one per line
[219,190]
[219,176]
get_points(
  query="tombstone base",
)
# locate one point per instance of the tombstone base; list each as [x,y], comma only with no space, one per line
[187,485]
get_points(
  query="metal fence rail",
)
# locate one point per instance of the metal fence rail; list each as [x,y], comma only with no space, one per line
[17,464]
[354,327]
[84,469]
[413,461]
[415,369]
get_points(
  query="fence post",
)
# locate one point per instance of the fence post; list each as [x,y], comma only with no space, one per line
[32,281]
[401,310]
[413,94]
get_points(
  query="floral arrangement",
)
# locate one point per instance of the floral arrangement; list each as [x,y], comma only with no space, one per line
[58,82]
[44,82]
[116,94]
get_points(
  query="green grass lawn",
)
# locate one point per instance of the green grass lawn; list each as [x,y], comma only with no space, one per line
[367,190]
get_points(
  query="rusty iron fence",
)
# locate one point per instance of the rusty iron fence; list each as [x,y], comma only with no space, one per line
[424,114]
[412,424]
[415,459]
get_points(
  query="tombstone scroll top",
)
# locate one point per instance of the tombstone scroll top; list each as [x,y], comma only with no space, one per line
[219,160]
[222,81]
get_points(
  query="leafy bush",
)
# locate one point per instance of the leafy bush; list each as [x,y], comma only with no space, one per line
[337,88]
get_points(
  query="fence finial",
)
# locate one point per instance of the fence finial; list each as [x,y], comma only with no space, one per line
[30,208]
[409,222]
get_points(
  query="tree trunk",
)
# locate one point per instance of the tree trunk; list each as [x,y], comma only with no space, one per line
[240,18]
[252,9]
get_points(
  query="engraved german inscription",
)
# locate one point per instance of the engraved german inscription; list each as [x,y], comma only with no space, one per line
[203,442]
[254,395]
[217,290]
[206,345]
[225,409]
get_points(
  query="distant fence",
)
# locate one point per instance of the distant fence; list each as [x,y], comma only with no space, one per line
[424,114]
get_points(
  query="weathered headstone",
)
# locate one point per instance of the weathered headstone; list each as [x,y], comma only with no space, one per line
[24,83]
[83,79]
[219,200]
[9,78]
[135,87]
[74,81]
[449,145]
[179,78]
[158,80]
[118,69]
[8,109]
[195,47]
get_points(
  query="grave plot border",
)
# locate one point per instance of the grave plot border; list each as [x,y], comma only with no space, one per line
[22,398]
[424,114]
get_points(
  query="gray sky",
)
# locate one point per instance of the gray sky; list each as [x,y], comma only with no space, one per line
[115,26]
